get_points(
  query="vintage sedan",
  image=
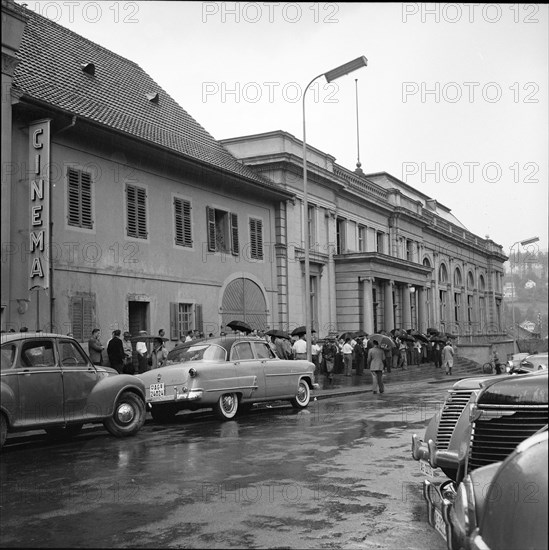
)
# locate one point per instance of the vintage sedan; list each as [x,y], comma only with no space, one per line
[48,382]
[504,505]
[531,363]
[228,374]
[481,423]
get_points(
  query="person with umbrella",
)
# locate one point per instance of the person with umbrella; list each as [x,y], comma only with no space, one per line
[376,357]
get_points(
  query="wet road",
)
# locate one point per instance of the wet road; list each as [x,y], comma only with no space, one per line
[337,475]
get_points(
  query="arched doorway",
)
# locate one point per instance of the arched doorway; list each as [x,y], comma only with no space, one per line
[243,300]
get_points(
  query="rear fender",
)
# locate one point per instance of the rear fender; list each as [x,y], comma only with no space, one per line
[105,394]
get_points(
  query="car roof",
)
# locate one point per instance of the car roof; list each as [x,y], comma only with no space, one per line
[225,342]
[13,336]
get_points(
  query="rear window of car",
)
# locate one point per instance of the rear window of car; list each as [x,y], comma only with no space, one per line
[198,352]
[37,353]
[8,356]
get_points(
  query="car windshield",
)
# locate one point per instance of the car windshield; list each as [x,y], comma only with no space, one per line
[198,352]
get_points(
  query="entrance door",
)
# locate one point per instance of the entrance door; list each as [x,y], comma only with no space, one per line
[244,301]
[138,317]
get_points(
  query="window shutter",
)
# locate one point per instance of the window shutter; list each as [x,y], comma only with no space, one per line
[210,217]
[174,325]
[79,197]
[82,316]
[182,215]
[136,209]
[198,321]
[235,248]
[256,239]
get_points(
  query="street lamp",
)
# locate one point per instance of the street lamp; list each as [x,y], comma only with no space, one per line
[338,72]
[526,242]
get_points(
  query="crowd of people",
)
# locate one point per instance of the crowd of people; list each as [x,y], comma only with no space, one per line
[333,355]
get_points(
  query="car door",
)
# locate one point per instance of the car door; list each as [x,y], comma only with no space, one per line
[79,379]
[249,371]
[39,384]
[281,376]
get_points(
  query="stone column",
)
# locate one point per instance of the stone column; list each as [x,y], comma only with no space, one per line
[389,314]
[406,308]
[368,304]
[421,301]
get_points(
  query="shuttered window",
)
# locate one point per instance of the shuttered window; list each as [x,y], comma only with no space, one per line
[256,239]
[185,317]
[82,310]
[222,231]
[136,205]
[182,215]
[79,196]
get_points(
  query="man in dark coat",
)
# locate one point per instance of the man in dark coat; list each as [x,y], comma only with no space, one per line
[115,351]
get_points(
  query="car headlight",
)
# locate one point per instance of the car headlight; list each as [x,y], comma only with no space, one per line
[462,515]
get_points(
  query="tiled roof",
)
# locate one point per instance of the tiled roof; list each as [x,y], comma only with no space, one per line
[116,97]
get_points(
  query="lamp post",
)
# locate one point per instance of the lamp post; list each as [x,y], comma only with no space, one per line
[525,242]
[338,72]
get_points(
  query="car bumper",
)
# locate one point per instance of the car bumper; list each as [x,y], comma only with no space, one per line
[192,395]
[429,452]
[439,497]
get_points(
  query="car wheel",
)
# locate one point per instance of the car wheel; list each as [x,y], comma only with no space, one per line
[128,417]
[303,396]
[163,413]
[227,406]
[3,429]
[66,432]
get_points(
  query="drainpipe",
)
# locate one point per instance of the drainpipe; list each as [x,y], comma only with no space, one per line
[50,206]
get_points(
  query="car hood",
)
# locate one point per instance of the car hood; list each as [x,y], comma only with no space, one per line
[471,383]
[527,389]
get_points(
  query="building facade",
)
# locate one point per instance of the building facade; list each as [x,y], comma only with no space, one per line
[118,209]
[382,254]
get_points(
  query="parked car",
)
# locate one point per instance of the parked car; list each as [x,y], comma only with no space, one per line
[514,360]
[48,381]
[503,505]
[228,374]
[481,423]
[531,363]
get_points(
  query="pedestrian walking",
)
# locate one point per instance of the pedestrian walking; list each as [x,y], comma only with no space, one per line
[448,357]
[403,348]
[115,351]
[376,357]
[95,347]
[437,355]
[417,352]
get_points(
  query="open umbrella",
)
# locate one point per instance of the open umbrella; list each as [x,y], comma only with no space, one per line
[360,334]
[419,336]
[240,325]
[407,337]
[382,340]
[278,333]
[301,330]
[439,339]
[346,335]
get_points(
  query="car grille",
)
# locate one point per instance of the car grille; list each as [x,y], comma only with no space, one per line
[493,439]
[451,411]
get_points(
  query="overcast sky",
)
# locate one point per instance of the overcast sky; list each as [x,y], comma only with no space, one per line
[454,100]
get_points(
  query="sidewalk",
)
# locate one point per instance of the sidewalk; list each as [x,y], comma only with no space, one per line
[345,385]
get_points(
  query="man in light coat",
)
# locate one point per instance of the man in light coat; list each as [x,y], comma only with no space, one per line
[376,358]
[448,357]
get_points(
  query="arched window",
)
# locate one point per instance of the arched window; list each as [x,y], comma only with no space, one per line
[470,281]
[442,274]
[481,283]
[426,262]
[457,277]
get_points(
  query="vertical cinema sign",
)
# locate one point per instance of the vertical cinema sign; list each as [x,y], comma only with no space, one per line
[39,196]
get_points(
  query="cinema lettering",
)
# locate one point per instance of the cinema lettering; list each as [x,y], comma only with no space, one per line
[39,160]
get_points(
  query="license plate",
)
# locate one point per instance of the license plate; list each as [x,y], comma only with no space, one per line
[156,390]
[440,526]
[425,468]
